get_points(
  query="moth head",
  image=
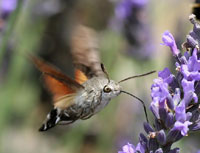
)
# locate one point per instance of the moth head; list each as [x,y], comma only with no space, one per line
[111,89]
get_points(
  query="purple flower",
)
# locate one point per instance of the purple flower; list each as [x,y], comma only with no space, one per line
[159,91]
[180,112]
[189,94]
[195,126]
[159,150]
[7,6]
[123,9]
[182,126]
[169,122]
[198,151]
[177,96]
[175,103]
[176,150]
[166,75]
[139,3]
[154,109]
[168,40]
[129,148]
[148,128]
[161,137]
[140,148]
[191,69]
[193,38]
[129,20]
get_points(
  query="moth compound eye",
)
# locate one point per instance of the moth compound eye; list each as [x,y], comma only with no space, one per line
[106,89]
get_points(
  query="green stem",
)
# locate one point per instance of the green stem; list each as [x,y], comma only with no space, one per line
[10,28]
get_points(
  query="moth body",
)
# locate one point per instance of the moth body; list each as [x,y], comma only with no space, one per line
[95,95]
[89,91]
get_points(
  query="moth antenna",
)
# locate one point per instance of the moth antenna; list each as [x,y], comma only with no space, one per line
[105,72]
[145,110]
[137,76]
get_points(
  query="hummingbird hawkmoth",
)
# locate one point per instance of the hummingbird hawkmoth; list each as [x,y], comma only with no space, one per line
[91,89]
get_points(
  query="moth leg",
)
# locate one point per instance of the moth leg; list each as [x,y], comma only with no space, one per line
[68,116]
[87,117]
[66,122]
[92,106]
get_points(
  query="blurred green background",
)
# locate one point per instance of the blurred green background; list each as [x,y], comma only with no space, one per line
[43,28]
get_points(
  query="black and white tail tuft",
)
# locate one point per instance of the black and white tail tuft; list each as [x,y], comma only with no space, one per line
[52,119]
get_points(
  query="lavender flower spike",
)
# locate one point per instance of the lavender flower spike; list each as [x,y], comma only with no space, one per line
[175,98]
[168,40]
[183,127]
[129,148]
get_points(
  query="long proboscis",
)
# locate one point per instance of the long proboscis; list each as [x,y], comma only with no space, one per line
[137,76]
[145,110]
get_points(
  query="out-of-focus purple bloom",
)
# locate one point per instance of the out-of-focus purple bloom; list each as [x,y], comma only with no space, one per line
[198,151]
[129,148]
[7,6]
[139,2]
[124,8]
[130,20]
[168,40]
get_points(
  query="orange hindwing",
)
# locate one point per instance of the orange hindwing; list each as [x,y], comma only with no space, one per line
[58,83]
[80,77]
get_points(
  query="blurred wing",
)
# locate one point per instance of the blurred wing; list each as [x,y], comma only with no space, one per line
[80,77]
[65,101]
[58,83]
[56,87]
[85,51]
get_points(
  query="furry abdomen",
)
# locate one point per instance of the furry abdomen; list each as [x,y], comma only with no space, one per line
[88,100]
